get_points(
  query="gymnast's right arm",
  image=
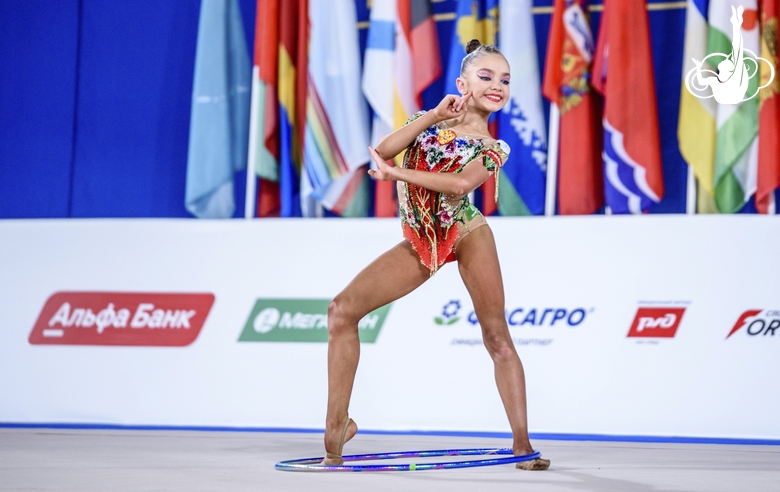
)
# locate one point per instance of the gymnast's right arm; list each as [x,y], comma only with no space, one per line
[395,143]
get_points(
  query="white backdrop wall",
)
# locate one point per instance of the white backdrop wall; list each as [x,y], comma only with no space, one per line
[584,278]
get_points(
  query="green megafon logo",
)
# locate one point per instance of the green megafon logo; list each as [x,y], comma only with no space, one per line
[302,320]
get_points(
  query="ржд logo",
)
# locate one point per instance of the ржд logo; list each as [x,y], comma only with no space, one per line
[656,322]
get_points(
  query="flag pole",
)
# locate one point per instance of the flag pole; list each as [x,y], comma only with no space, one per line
[552,161]
[690,194]
[251,173]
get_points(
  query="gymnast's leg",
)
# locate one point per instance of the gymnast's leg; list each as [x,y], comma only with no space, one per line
[390,277]
[478,265]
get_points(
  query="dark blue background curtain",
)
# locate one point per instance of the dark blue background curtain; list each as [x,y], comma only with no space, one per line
[95,103]
[95,106]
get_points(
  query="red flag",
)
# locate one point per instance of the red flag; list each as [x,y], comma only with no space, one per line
[623,73]
[567,84]
[769,109]
[385,199]
[416,21]
[266,56]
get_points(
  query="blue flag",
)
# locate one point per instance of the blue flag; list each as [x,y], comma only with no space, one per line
[521,185]
[219,121]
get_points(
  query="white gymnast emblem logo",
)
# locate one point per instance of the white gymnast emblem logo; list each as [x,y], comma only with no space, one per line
[730,84]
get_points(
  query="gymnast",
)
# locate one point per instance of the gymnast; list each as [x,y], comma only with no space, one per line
[449,153]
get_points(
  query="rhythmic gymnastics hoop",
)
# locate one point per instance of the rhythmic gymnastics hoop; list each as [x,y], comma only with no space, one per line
[313,464]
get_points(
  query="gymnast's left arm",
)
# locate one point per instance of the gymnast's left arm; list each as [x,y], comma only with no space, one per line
[458,184]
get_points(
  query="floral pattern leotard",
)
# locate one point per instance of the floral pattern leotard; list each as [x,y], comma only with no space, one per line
[428,217]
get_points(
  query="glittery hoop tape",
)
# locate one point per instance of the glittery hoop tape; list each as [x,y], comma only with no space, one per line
[313,464]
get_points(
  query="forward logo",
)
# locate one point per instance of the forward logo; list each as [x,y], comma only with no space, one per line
[656,322]
[758,322]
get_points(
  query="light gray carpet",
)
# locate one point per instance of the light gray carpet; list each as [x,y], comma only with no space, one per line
[118,460]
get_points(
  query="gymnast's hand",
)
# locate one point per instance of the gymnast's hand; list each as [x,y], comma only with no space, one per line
[383,171]
[451,106]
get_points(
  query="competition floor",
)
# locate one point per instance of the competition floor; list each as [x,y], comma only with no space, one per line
[127,460]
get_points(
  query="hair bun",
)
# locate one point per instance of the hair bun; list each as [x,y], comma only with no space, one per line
[473,44]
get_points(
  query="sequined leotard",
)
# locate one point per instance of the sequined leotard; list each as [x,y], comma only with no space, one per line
[428,217]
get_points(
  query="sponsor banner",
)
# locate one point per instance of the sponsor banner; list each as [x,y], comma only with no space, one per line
[574,289]
[121,318]
[301,320]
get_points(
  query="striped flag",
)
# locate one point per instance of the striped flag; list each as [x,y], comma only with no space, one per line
[521,123]
[769,110]
[379,88]
[567,84]
[696,129]
[336,139]
[219,122]
[401,61]
[736,154]
[264,141]
[623,71]
[293,57]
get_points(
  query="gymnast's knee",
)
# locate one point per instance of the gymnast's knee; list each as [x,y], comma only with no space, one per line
[499,345]
[340,318]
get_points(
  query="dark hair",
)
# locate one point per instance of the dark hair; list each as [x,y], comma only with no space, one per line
[474,50]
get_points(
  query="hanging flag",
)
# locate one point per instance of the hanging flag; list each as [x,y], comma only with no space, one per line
[521,123]
[474,19]
[415,19]
[219,122]
[623,68]
[379,88]
[696,129]
[567,84]
[769,110]
[263,134]
[293,57]
[401,61]
[336,138]
[736,148]
[405,103]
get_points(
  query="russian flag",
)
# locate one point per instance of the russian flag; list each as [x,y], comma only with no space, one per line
[623,74]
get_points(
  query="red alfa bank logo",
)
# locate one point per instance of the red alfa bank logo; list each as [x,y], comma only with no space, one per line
[758,322]
[118,318]
[656,322]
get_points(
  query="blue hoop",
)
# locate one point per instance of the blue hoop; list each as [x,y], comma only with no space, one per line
[313,464]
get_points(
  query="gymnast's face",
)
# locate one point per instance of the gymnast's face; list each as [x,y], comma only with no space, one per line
[488,80]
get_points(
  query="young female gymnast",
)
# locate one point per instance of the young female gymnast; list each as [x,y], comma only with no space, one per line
[449,153]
